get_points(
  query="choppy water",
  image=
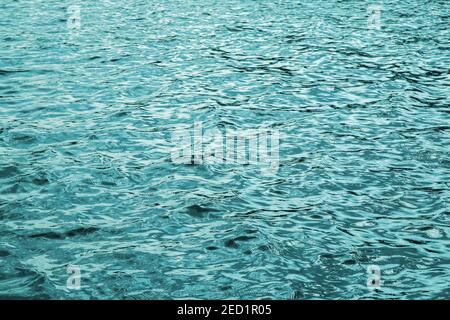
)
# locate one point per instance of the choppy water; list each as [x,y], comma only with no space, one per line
[86,179]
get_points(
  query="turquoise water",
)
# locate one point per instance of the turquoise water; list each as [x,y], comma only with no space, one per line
[86,179]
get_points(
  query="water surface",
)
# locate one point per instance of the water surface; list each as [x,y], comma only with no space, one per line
[86,179]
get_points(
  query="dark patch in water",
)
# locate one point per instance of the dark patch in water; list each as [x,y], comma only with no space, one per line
[40,181]
[4,253]
[8,171]
[230,243]
[68,234]
[233,243]
[199,211]
[8,72]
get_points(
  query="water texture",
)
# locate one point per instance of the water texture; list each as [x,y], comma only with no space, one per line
[86,177]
